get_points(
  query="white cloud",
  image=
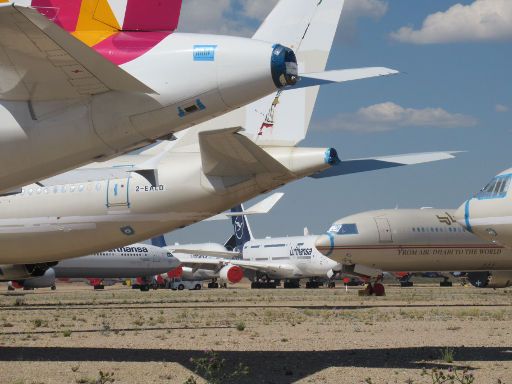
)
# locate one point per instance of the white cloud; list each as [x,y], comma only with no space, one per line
[482,20]
[501,108]
[356,9]
[390,116]
[241,17]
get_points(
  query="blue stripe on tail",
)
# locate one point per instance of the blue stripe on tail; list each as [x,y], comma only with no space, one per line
[159,241]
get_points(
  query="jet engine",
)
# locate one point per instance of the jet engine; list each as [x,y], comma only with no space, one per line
[231,273]
[23,271]
[47,280]
[491,279]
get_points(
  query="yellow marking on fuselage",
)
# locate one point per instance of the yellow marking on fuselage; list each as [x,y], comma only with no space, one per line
[89,29]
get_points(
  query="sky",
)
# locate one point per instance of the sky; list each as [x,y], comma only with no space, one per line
[454,93]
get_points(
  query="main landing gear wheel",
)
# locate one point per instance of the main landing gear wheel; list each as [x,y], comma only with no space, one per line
[406,284]
[99,287]
[213,285]
[446,284]
[378,289]
[53,288]
[312,285]
[331,285]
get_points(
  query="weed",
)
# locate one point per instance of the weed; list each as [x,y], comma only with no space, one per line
[19,302]
[66,333]
[213,369]
[451,377]
[40,323]
[448,355]
[240,326]
[75,368]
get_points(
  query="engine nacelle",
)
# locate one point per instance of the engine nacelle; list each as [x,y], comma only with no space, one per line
[231,273]
[45,281]
[491,279]
[23,271]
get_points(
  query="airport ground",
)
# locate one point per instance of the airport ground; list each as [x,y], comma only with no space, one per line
[267,336]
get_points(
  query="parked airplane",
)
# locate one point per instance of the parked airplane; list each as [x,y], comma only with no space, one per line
[209,169]
[412,240]
[82,80]
[265,261]
[489,213]
[138,260]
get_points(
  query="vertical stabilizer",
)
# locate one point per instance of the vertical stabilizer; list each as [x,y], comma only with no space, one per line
[241,229]
[159,241]
[282,119]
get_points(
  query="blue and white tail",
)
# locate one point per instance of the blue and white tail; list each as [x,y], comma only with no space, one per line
[159,241]
[241,229]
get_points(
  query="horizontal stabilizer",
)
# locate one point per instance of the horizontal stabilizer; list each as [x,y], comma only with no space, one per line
[225,153]
[47,63]
[341,76]
[260,208]
[364,165]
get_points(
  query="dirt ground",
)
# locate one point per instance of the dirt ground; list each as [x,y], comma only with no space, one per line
[266,336]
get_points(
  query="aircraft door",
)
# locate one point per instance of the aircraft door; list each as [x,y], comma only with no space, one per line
[118,193]
[384,228]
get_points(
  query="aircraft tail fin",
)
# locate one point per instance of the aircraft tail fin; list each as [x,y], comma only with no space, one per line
[159,241]
[308,27]
[111,15]
[242,230]
[282,119]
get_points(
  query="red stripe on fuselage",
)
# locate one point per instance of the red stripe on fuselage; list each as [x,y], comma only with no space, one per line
[64,13]
[123,47]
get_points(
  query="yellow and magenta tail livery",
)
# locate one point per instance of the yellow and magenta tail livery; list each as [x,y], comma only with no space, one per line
[120,30]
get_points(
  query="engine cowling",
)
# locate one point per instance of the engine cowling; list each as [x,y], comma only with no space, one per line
[491,279]
[45,281]
[23,271]
[231,273]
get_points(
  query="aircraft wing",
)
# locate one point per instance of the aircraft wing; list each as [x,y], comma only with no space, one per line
[262,207]
[39,61]
[341,76]
[219,254]
[346,167]
[262,267]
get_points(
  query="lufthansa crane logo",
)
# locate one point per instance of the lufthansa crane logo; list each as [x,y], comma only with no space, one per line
[239,227]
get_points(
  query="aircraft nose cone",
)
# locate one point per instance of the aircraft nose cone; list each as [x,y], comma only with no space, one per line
[325,244]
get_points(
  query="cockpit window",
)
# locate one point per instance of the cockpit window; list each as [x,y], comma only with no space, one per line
[344,229]
[496,189]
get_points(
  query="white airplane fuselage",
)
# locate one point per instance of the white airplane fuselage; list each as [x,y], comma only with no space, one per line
[54,223]
[411,240]
[40,138]
[289,257]
[489,213]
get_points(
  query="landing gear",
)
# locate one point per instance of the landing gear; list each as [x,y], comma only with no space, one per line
[292,284]
[53,288]
[406,284]
[264,285]
[144,288]
[313,284]
[99,287]
[446,283]
[331,285]
[213,285]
